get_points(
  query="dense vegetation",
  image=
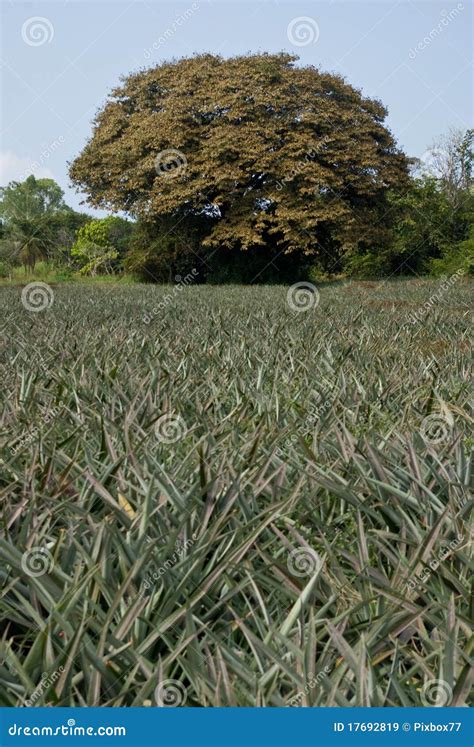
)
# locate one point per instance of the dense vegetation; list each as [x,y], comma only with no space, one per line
[250,169]
[236,496]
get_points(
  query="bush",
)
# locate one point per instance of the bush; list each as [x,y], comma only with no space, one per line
[460,258]
[101,245]
[5,269]
[368,265]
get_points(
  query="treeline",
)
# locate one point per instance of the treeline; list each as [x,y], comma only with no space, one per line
[259,170]
[429,230]
[249,169]
[432,234]
[37,226]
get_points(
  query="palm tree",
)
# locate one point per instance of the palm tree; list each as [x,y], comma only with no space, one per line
[27,210]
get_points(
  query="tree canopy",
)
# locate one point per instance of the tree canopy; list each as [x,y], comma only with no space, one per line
[36,223]
[30,199]
[30,212]
[265,152]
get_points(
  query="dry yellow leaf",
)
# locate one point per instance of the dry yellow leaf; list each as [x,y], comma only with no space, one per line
[126,506]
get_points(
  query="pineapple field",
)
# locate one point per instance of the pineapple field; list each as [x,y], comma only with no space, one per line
[236,495]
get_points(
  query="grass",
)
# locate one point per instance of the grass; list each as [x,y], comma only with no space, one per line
[236,503]
[48,273]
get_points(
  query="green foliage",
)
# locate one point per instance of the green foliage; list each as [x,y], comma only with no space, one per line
[460,258]
[26,209]
[30,199]
[93,259]
[173,551]
[120,234]
[37,221]
[7,257]
[465,159]
[101,244]
[5,269]
[65,226]
[367,264]
[427,224]
[429,234]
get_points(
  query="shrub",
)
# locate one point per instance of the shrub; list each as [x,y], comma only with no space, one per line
[5,269]
[460,258]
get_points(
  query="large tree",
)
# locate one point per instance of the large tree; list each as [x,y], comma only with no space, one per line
[268,153]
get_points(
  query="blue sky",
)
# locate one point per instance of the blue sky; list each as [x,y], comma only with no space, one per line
[60,59]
